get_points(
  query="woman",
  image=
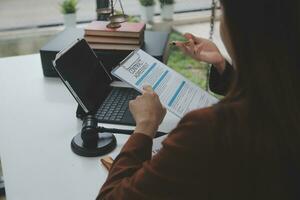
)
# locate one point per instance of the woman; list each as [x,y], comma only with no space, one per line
[246,146]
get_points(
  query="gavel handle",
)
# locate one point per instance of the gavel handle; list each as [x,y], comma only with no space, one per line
[123,131]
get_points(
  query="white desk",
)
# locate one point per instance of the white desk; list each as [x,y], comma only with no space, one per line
[37,123]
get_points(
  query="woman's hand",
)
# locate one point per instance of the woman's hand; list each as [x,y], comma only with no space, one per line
[147,111]
[202,50]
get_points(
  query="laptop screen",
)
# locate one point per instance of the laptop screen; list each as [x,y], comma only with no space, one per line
[83,74]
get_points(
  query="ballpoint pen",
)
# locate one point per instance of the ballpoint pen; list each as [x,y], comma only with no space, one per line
[173,43]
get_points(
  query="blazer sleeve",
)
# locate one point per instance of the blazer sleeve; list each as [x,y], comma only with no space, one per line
[220,83]
[184,156]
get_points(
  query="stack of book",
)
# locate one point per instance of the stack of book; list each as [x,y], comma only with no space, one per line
[128,37]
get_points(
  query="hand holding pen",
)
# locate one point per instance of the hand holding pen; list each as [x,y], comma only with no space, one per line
[202,50]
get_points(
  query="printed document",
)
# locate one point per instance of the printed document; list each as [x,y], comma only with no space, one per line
[156,147]
[176,93]
[157,144]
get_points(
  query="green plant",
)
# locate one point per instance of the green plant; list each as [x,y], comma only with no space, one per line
[147,2]
[69,6]
[166,2]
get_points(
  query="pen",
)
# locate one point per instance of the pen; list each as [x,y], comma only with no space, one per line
[173,43]
[123,131]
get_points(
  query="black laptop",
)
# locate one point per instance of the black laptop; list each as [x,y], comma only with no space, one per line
[90,84]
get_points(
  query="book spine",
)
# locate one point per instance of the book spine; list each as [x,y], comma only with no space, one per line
[112,34]
[113,46]
[112,40]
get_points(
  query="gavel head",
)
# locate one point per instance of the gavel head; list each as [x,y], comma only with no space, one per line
[89,142]
[89,132]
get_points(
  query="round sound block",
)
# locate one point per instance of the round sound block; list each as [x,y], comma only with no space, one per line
[106,143]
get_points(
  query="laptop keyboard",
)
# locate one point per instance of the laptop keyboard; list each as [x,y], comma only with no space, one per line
[115,106]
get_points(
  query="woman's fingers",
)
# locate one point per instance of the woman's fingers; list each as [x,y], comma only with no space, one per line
[147,88]
[190,46]
[197,40]
[182,46]
[188,36]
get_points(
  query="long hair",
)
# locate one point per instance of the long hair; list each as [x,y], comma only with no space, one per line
[265,37]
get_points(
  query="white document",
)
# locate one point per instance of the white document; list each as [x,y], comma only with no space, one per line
[157,144]
[156,147]
[176,93]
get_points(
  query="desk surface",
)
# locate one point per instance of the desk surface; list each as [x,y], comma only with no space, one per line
[37,120]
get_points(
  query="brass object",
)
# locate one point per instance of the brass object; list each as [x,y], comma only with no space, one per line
[118,18]
[107,162]
[115,19]
[112,25]
[104,11]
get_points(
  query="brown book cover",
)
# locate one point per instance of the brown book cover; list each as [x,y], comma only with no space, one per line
[113,40]
[127,29]
[101,46]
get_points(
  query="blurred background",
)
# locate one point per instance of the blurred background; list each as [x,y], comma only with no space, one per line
[26,25]
[18,14]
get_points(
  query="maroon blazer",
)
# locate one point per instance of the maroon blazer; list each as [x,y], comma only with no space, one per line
[205,157]
[176,170]
[179,171]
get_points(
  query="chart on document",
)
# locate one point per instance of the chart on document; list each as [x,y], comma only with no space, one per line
[176,93]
